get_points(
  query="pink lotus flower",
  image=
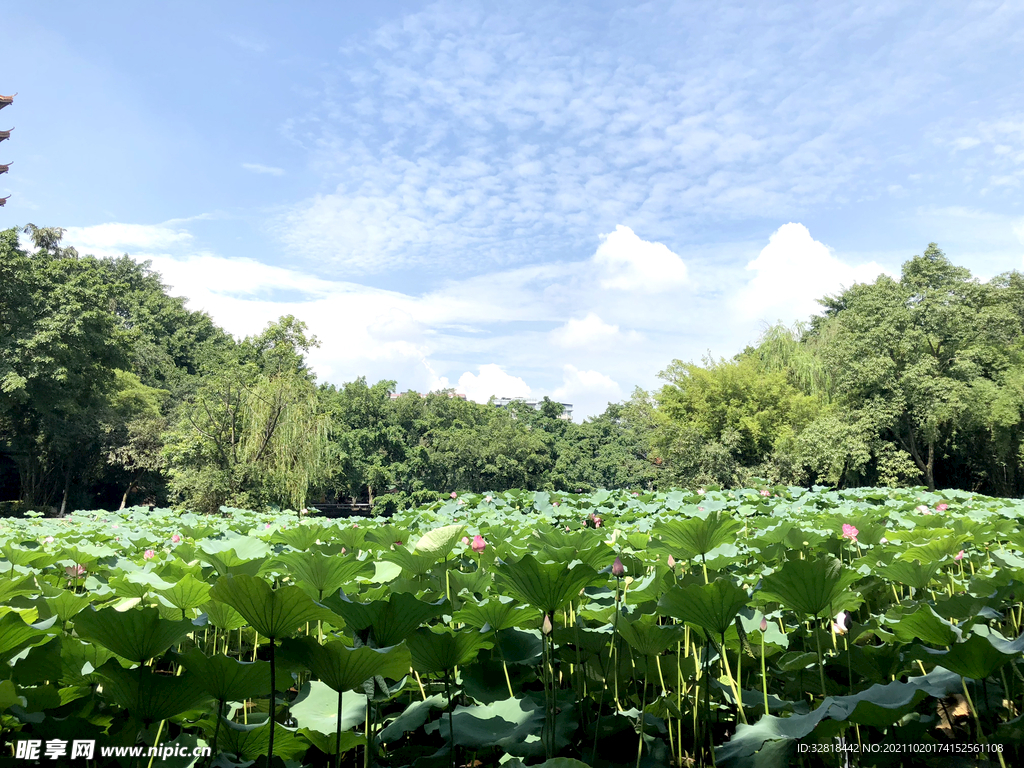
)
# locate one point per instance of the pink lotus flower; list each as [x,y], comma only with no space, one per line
[597,522]
[479,544]
[701,491]
[636,493]
[959,555]
[765,492]
[618,569]
[554,503]
[465,540]
[75,571]
[849,532]
[48,540]
[454,495]
[883,540]
[175,538]
[488,499]
[266,527]
[149,554]
[700,509]
[941,507]
[840,626]
[922,509]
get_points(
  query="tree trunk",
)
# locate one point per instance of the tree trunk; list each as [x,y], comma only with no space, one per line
[929,472]
[67,488]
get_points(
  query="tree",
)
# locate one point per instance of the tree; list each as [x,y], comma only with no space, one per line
[907,356]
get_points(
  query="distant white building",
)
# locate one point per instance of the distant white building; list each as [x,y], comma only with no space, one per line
[502,402]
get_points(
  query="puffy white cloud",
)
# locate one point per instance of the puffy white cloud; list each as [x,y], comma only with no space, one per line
[792,272]
[588,391]
[114,238]
[587,331]
[491,380]
[627,262]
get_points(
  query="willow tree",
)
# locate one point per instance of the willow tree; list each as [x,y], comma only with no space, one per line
[253,434]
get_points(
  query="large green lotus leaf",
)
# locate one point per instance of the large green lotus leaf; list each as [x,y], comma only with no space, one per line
[547,586]
[767,732]
[10,589]
[912,573]
[390,621]
[301,537]
[251,741]
[514,725]
[345,669]
[712,607]
[415,563]
[325,574]
[227,679]
[497,613]
[328,744]
[80,659]
[271,612]
[977,657]
[440,541]
[935,550]
[187,594]
[26,556]
[316,708]
[443,650]
[234,555]
[39,664]
[16,635]
[411,719]
[66,604]
[223,616]
[148,695]
[136,635]
[809,587]
[648,638]
[922,623]
[687,539]
[9,696]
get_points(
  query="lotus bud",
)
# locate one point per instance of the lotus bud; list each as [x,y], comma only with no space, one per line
[48,540]
[618,569]
[149,554]
[959,555]
[479,544]
[454,495]
[764,624]
[883,540]
[547,627]
[941,507]
[671,562]
[465,540]
[175,538]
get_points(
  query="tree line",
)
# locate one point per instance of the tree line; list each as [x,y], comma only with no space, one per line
[113,392]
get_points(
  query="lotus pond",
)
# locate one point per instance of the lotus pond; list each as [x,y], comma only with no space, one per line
[763,627]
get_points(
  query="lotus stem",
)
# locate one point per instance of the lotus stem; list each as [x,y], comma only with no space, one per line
[337,736]
[273,699]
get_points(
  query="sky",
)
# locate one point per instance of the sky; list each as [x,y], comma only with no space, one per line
[529,199]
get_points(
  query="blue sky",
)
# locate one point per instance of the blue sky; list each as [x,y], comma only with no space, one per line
[549,199]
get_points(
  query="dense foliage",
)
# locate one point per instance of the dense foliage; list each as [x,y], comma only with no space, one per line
[680,628]
[113,392]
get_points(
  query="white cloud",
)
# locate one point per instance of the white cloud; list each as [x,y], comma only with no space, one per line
[266,169]
[588,391]
[587,331]
[792,272]
[114,238]
[627,262]
[490,381]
